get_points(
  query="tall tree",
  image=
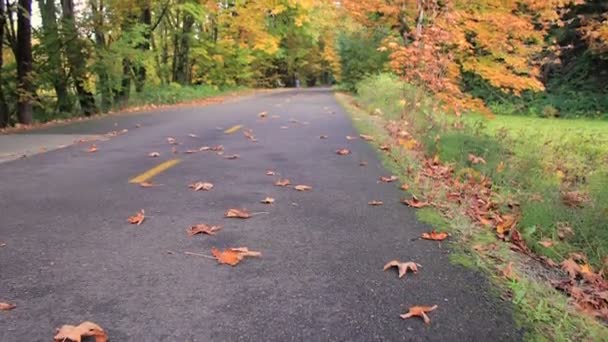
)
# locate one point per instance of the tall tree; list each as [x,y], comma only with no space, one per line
[4,111]
[25,85]
[76,58]
[52,47]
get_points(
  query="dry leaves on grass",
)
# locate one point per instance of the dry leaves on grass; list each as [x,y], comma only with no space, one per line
[476,160]
[7,306]
[138,218]
[389,179]
[414,202]
[202,229]
[343,152]
[76,333]
[420,311]
[267,200]
[232,256]
[375,203]
[237,213]
[435,236]
[282,182]
[302,187]
[403,267]
[92,149]
[201,186]
[153,154]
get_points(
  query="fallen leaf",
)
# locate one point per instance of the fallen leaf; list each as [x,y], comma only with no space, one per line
[7,306]
[171,141]
[403,267]
[237,213]
[366,137]
[435,236]
[323,137]
[192,135]
[153,154]
[248,133]
[415,202]
[404,187]
[284,127]
[343,152]
[263,114]
[385,147]
[204,149]
[571,267]
[348,137]
[575,199]
[92,149]
[270,173]
[388,179]
[232,157]
[507,272]
[408,144]
[476,160]
[546,243]
[564,231]
[282,182]
[302,187]
[198,186]
[420,311]
[148,185]
[137,218]
[76,333]
[267,200]
[505,224]
[232,256]
[202,229]
[190,151]
[363,163]
[375,203]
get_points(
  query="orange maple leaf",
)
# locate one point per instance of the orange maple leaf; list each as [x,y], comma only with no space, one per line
[137,218]
[420,311]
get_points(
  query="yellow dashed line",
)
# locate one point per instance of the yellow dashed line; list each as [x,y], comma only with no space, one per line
[233,129]
[153,172]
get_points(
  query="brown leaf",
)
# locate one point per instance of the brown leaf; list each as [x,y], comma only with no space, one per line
[403,267]
[323,137]
[270,173]
[435,236]
[172,141]
[148,185]
[76,333]
[574,199]
[232,256]
[389,179]
[198,186]
[546,243]
[343,152]
[385,147]
[190,151]
[282,182]
[92,149]
[138,218]
[404,187]
[153,154]
[7,306]
[362,163]
[348,137]
[366,137]
[571,267]
[420,311]
[507,272]
[415,203]
[268,200]
[192,135]
[263,114]
[232,157]
[237,213]
[564,231]
[248,133]
[505,224]
[375,203]
[302,187]
[476,160]
[203,229]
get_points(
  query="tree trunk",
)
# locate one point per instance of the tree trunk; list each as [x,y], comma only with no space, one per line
[25,86]
[122,95]
[103,85]
[52,44]
[4,114]
[140,70]
[182,58]
[77,59]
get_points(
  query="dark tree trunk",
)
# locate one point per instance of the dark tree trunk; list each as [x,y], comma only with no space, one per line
[25,86]
[182,58]
[77,59]
[103,86]
[4,114]
[122,95]
[140,70]
[51,41]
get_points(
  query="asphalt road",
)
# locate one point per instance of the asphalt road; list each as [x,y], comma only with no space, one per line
[70,255]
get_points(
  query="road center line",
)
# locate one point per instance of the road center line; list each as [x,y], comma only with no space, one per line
[153,172]
[233,129]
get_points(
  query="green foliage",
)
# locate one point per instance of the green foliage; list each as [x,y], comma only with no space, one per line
[359,56]
[383,92]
